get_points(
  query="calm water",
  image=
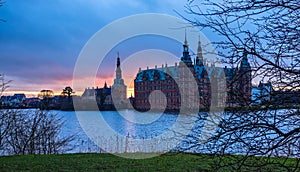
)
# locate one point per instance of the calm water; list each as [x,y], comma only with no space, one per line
[124,131]
[131,131]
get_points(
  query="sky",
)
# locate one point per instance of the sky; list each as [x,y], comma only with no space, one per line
[40,40]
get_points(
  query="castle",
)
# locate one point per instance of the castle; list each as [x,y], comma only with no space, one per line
[109,97]
[217,86]
[188,83]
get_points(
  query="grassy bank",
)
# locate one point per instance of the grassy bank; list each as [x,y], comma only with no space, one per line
[107,162]
[98,162]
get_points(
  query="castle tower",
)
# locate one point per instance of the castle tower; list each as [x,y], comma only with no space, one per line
[186,80]
[119,89]
[199,58]
[186,58]
[245,78]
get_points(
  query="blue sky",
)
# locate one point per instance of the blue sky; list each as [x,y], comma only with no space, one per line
[41,40]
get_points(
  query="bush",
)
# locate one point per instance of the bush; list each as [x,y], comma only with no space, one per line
[31,132]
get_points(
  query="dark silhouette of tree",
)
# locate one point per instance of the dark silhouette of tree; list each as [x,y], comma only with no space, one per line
[46,94]
[66,101]
[269,33]
[3,84]
[46,98]
[68,91]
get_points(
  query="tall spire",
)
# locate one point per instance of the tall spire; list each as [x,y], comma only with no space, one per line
[118,60]
[186,58]
[199,58]
[244,62]
[185,40]
[119,79]
[199,50]
[119,89]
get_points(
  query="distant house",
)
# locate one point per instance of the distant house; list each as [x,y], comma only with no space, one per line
[265,92]
[286,97]
[89,93]
[33,102]
[101,95]
[14,101]
[19,97]
[131,100]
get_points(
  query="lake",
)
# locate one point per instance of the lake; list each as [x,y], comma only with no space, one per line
[125,131]
[131,131]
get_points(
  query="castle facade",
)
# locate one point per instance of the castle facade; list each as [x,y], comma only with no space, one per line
[202,85]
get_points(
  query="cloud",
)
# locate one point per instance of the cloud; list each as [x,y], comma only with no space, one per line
[41,40]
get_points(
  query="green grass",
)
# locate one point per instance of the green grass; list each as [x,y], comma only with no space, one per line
[108,162]
[98,162]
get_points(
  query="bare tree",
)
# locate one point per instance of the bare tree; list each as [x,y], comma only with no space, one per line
[34,132]
[269,33]
[3,84]
[4,125]
[31,132]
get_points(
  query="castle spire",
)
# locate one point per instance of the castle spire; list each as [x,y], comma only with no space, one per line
[119,79]
[118,60]
[105,85]
[199,50]
[119,89]
[244,62]
[185,40]
[199,58]
[186,58]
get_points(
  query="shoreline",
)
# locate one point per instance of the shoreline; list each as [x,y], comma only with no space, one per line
[173,111]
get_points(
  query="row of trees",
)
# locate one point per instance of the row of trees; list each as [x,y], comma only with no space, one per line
[65,101]
[67,92]
[30,131]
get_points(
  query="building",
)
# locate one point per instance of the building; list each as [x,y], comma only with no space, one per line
[101,95]
[14,101]
[211,82]
[264,94]
[108,97]
[119,89]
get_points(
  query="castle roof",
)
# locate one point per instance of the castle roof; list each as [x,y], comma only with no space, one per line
[173,71]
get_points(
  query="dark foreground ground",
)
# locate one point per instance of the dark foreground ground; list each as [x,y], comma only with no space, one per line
[108,162]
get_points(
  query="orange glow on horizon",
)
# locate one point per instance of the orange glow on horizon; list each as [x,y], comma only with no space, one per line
[29,94]
[130,67]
